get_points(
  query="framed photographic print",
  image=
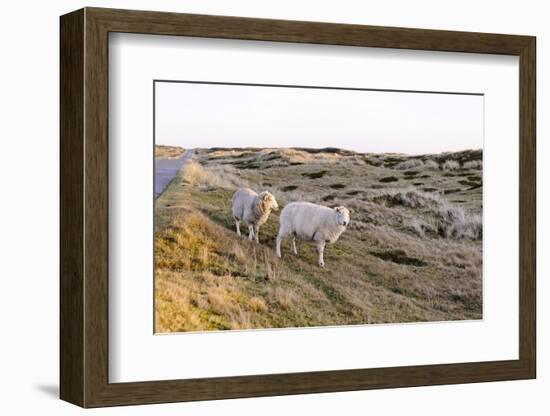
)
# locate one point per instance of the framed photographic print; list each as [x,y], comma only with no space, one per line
[255,207]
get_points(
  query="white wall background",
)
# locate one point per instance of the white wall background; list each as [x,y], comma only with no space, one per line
[29,159]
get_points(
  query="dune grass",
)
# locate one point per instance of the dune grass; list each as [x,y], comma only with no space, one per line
[168,152]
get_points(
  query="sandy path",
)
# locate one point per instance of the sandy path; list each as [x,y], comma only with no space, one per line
[167,169]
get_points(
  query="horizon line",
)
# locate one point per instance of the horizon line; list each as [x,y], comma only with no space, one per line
[320,148]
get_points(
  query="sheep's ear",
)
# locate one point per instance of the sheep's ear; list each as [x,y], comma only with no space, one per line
[337,209]
[266,196]
[350,211]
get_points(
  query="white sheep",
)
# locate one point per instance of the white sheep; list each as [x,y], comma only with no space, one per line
[253,209]
[311,222]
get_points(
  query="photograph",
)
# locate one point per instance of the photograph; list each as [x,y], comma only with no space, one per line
[295,206]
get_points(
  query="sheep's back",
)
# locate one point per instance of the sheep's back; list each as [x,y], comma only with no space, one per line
[304,218]
[242,198]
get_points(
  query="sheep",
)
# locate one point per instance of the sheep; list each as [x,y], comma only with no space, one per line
[253,209]
[312,222]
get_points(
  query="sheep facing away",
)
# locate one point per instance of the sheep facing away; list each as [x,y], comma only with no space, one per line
[312,222]
[253,209]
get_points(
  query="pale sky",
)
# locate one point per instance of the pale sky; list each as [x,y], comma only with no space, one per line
[210,115]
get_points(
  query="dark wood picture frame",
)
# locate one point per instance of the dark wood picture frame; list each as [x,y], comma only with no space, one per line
[84,207]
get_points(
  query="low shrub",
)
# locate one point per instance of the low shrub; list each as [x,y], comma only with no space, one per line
[445,219]
[473,164]
[409,164]
[450,165]
[431,164]
[315,175]
[410,198]
[289,188]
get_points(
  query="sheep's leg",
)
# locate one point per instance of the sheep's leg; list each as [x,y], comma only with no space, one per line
[251,232]
[280,238]
[238,225]
[321,250]
[294,251]
[257,234]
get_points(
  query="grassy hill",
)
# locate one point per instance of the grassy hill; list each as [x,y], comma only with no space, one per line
[412,252]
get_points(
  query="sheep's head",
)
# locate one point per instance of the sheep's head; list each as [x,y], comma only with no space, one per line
[342,215]
[268,201]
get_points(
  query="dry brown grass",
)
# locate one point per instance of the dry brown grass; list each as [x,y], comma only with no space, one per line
[389,266]
[205,281]
[409,164]
[214,177]
[168,152]
[450,165]
[473,164]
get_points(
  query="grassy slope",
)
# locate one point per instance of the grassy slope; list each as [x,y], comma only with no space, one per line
[392,265]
